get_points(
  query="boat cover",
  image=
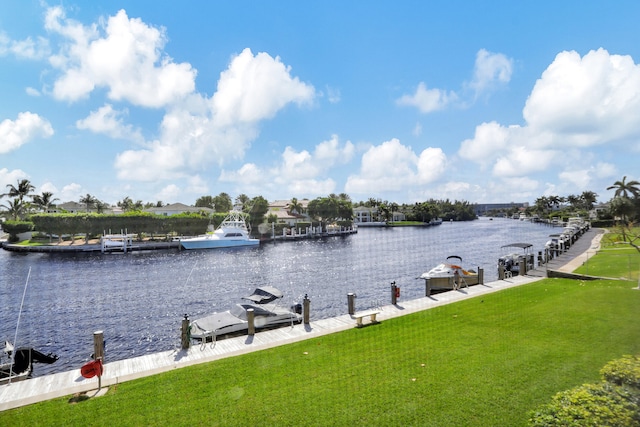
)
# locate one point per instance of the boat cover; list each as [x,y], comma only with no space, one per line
[518,245]
[264,295]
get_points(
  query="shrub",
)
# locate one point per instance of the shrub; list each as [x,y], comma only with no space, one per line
[613,402]
[16,227]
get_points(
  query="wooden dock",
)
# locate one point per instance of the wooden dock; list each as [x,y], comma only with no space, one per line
[68,383]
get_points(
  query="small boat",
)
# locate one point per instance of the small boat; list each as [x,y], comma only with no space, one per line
[267,314]
[450,275]
[20,364]
[232,232]
[511,261]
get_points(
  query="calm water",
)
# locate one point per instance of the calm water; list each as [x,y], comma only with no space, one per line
[139,299]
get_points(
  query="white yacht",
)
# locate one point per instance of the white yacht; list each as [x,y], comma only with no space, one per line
[232,232]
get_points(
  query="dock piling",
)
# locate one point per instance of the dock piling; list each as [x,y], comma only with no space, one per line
[251,321]
[306,303]
[395,293]
[351,302]
[185,335]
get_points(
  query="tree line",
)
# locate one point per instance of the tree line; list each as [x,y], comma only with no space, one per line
[22,204]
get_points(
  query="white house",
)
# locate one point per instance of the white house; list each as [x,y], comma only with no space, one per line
[177,208]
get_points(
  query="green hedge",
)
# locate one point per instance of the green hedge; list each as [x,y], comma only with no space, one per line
[92,224]
[16,227]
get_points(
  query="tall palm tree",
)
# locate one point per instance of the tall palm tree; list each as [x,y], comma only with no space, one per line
[624,188]
[295,206]
[242,200]
[14,208]
[589,198]
[22,190]
[89,201]
[44,201]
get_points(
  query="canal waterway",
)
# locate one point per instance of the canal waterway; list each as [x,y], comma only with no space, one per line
[139,299]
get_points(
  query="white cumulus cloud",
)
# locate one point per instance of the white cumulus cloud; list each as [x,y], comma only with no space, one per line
[490,69]
[27,126]
[205,132]
[392,166]
[108,121]
[123,55]
[428,100]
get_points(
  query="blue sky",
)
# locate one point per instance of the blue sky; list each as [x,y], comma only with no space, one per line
[403,101]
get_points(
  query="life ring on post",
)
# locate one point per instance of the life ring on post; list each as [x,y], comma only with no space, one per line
[91,369]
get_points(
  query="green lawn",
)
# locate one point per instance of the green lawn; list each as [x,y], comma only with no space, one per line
[486,361]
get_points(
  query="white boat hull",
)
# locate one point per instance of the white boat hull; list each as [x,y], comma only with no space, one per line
[204,243]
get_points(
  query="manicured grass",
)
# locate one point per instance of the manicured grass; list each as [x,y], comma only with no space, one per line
[615,259]
[484,361]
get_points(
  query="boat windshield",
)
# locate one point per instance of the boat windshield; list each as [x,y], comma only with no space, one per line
[240,311]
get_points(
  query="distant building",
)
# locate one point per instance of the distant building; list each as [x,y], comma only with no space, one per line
[366,215]
[482,208]
[281,209]
[75,207]
[177,208]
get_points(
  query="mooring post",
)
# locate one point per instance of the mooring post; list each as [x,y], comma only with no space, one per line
[98,345]
[427,285]
[522,267]
[351,302]
[394,295]
[500,272]
[98,353]
[251,321]
[306,304]
[480,276]
[185,335]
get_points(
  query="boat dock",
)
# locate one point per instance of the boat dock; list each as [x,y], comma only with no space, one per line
[71,382]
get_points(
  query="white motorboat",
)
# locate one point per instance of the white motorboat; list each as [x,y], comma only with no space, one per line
[450,275]
[232,232]
[266,310]
[20,364]
[511,261]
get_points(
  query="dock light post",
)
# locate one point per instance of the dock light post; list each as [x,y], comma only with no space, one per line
[351,303]
[251,321]
[185,335]
[306,303]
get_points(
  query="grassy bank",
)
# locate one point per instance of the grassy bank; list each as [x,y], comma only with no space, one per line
[484,361]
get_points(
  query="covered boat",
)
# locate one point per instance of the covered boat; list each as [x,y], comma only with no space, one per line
[265,302]
[20,363]
[232,232]
[450,275]
[511,261]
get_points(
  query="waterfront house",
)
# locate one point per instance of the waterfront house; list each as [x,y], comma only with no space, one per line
[281,209]
[177,208]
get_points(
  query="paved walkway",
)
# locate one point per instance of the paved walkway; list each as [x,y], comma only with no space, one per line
[68,383]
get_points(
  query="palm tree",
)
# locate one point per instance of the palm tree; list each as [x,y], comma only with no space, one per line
[88,200]
[23,189]
[623,188]
[101,206]
[589,198]
[242,200]
[44,201]
[126,204]
[15,208]
[295,206]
